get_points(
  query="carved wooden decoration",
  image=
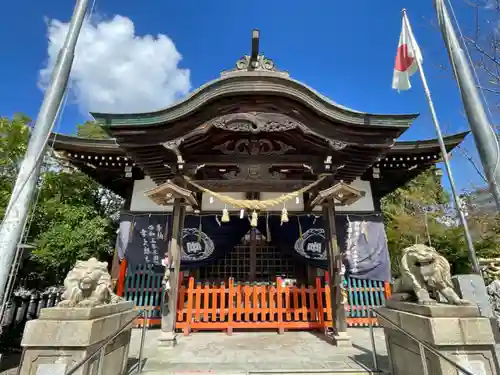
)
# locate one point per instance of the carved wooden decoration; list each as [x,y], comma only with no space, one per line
[174,144]
[252,172]
[255,122]
[254,147]
[260,64]
[336,145]
[340,193]
[164,194]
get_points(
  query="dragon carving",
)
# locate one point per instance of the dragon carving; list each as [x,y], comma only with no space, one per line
[424,272]
[88,284]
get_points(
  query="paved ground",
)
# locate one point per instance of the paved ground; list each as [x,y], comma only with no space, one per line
[242,352]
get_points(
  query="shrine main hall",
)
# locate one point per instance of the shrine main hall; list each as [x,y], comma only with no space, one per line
[253,203]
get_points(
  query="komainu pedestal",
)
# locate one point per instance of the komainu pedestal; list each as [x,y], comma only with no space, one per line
[62,337]
[458,332]
[89,314]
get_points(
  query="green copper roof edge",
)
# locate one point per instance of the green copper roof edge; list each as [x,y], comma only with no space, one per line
[456,138]
[63,139]
[254,83]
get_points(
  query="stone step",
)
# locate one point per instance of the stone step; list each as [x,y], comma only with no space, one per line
[305,368]
[320,372]
[277,372]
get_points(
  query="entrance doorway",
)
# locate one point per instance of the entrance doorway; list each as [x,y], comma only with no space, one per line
[253,260]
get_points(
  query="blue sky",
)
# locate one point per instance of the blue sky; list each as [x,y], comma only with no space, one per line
[345,50]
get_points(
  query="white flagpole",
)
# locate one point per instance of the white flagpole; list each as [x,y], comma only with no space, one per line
[486,140]
[12,227]
[456,198]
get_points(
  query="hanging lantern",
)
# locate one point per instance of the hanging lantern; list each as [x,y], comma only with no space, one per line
[284,215]
[225,215]
[253,222]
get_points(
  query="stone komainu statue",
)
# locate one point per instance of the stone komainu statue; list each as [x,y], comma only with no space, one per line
[424,270]
[88,284]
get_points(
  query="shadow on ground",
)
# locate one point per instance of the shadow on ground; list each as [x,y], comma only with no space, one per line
[323,337]
[365,359]
[9,363]
[132,364]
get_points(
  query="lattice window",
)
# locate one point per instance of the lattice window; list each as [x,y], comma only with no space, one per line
[269,263]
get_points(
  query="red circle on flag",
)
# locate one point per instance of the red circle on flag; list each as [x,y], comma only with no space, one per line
[403,60]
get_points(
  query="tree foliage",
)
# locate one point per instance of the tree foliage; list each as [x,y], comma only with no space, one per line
[420,213]
[73,217]
[91,129]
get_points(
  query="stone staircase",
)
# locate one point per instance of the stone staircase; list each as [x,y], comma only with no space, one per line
[260,353]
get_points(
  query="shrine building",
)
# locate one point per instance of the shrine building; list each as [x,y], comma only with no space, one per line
[261,195]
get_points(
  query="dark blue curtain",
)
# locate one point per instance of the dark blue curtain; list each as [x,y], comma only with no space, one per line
[213,241]
[303,237]
[366,251]
[361,240]
[145,239]
[147,242]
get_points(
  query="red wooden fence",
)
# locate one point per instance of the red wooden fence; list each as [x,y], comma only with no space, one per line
[208,307]
[229,306]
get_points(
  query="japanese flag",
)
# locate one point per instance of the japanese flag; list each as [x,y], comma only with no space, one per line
[406,58]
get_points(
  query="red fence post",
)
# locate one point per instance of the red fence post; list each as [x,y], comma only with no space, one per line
[120,284]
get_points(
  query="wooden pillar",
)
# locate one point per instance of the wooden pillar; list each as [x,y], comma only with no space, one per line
[179,242]
[168,312]
[334,268]
[115,266]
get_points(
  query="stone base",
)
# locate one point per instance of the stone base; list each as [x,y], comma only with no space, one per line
[457,332]
[167,339]
[341,339]
[62,337]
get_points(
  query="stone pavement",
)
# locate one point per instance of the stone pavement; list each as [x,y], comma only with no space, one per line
[246,352]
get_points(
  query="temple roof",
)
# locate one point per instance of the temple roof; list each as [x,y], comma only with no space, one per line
[63,142]
[105,161]
[253,74]
[252,129]
[407,159]
[252,83]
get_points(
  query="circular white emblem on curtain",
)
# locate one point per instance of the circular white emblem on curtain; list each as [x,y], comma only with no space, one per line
[311,245]
[196,245]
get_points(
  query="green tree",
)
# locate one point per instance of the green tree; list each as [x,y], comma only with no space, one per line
[13,142]
[91,129]
[73,217]
[407,223]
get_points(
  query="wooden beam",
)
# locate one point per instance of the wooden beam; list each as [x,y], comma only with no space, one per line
[211,159]
[247,185]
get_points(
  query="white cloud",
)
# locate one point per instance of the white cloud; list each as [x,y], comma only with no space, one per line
[118,71]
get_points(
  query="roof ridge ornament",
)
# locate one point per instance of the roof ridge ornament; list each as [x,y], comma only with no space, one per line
[255,62]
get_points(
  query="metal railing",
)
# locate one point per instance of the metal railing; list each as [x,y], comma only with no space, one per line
[421,345]
[101,350]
